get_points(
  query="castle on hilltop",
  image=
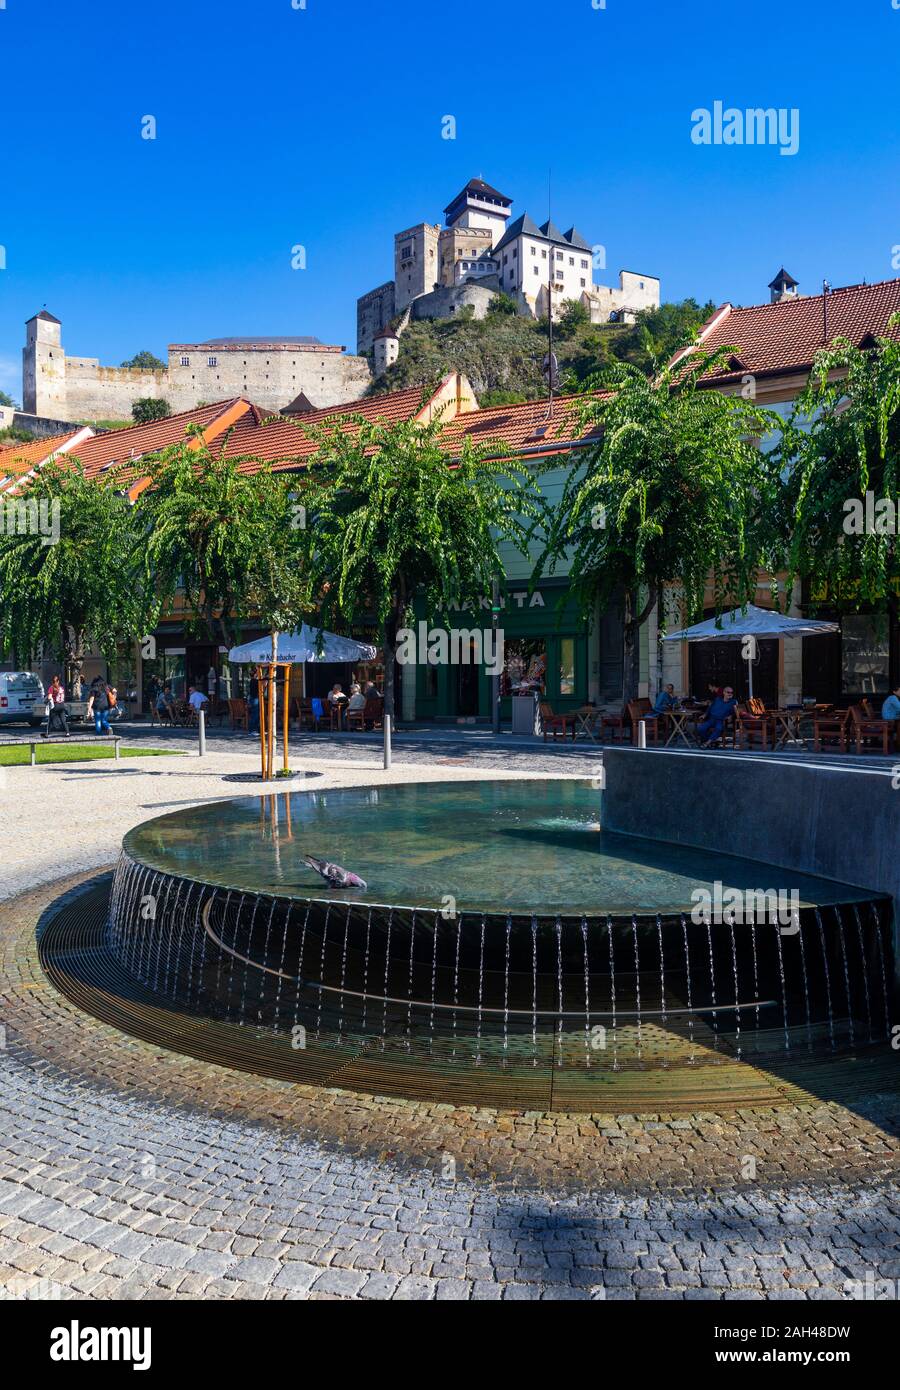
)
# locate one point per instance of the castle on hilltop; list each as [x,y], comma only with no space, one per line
[479,253]
[273,372]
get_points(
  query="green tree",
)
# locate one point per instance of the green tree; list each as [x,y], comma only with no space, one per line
[393,520]
[71,570]
[148,409]
[573,316]
[7,400]
[145,361]
[667,494]
[656,334]
[843,442]
[502,305]
[224,533]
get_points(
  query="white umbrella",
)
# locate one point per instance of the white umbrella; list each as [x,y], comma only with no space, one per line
[754,622]
[302,645]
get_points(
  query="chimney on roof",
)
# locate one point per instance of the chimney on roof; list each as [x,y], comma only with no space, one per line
[784,286]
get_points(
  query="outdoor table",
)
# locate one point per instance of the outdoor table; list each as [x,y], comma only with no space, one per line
[586,720]
[788,726]
[677,719]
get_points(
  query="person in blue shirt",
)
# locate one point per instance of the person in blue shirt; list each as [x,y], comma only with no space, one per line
[722,707]
[891,707]
[665,700]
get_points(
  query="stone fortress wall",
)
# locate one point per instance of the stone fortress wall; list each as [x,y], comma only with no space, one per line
[269,372]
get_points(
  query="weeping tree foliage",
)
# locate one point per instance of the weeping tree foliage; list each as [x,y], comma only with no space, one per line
[227,534]
[394,517]
[842,443]
[668,491]
[71,570]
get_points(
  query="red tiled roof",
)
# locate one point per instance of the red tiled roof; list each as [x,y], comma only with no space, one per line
[285,441]
[20,456]
[785,336]
[522,426]
[107,451]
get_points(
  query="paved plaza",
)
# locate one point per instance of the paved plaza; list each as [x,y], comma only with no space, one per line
[129,1171]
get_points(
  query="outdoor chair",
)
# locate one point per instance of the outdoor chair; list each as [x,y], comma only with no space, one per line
[642,709]
[830,728]
[553,722]
[160,717]
[615,723]
[356,719]
[754,726]
[373,714]
[868,732]
[239,714]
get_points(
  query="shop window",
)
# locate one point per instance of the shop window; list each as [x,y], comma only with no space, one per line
[525,666]
[864,654]
[567,666]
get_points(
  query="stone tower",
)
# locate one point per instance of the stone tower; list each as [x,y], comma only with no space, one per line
[44,368]
[416,268]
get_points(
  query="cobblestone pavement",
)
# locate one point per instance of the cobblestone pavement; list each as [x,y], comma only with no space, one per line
[115,1198]
[130,1172]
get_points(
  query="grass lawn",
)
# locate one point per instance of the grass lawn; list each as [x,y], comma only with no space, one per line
[75,753]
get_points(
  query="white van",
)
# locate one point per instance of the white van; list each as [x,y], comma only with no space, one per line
[20,691]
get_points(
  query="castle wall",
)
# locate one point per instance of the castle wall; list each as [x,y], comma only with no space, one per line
[373,312]
[79,388]
[271,376]
[442,303]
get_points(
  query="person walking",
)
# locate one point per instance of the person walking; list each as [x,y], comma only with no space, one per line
[57,714]
[98,705]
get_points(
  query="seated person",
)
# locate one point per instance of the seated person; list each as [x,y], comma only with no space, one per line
[665,700]
[165,705]
[196,699]
[890,710]
[371,691]
[357,698]
[722,707]
[336,695]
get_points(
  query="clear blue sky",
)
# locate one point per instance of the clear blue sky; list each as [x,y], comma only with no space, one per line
[323,127]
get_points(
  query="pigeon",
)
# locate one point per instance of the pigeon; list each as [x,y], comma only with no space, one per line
[333,874]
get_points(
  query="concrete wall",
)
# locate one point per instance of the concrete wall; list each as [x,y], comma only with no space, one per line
[836,822]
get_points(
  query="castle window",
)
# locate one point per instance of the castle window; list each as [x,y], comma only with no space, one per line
[534,250]
[185,361]
[583,282]
[536,270]
[559,255]
[211,362]
[543,254]
[584,265]
[571,260]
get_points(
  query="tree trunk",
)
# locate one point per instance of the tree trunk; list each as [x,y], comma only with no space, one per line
[73,660]
[635,617]
[631,662]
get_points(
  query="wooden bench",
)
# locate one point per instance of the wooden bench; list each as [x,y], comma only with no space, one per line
[43,740]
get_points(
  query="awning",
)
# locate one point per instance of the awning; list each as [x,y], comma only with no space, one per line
[750,622]
[302,645]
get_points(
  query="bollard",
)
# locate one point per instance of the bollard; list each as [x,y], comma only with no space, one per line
[642,733]
[201,730]
[386,719]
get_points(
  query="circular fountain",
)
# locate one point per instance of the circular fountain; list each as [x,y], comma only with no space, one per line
[505,948]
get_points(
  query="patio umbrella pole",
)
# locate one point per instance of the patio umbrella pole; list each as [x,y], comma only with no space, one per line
[262,718]
[285,716]
[273,671]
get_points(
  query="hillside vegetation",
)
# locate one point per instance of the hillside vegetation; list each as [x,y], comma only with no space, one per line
[502,354]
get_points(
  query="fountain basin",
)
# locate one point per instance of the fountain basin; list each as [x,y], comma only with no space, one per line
[501,926]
